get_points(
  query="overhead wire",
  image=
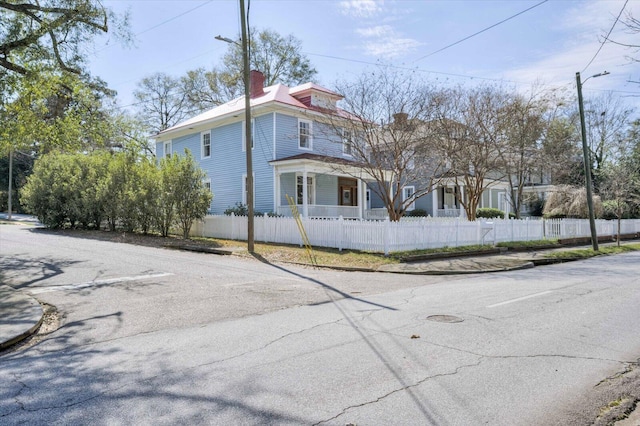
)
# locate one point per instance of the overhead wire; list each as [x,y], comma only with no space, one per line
[481,31]
[404,67]
[607,36]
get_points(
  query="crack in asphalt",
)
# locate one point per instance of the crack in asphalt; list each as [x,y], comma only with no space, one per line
[403,388]
[153,377]
[55,407]
[629,367]
[16,397]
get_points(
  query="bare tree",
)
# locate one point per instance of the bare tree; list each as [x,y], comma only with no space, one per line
[161,101]
[620,190]
[383,126]
[471,134]
[278,57]
[524,129]
[207,89]
[607,122]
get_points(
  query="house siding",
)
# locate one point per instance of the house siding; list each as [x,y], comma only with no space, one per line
[286,136]
[226,166]
[324,142]
[425,203]
[287,187]
[326,190]
[262,170]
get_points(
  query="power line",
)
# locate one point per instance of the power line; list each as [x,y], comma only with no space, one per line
[174,18]
[608,34]
[481,31]
[471,77]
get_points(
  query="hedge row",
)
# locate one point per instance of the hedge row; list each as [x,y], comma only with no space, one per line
[131,193]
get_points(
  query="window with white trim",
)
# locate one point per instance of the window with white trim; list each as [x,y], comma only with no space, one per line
[167,149]
[253,135]
[305,138]
[311,193]
[347,142]
[245,195]
[205,138]
[408,192]
[207,184]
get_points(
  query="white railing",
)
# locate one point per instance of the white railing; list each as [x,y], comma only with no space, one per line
[447,212]
[322,211]
[408,234]
[376,214]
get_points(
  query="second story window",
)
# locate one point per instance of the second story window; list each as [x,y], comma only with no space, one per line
[304,134]
[206,145]
[167,149]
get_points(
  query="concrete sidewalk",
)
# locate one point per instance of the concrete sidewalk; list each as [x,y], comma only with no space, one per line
[20,316]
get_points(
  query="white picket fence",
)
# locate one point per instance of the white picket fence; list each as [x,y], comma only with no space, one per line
[408,234]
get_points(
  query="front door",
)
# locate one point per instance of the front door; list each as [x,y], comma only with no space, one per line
[348,191]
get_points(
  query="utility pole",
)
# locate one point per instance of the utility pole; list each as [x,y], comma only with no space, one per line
[587,162]
[9,195]
[247,127]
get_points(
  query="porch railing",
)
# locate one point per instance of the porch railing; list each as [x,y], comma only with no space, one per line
[324,211]
[448,213]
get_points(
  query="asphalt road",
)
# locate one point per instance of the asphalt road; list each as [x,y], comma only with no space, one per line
[155,336]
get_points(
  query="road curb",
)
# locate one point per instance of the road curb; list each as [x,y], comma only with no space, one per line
[21,308]
[523,265]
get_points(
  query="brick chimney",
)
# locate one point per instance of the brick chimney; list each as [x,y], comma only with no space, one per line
[256,85]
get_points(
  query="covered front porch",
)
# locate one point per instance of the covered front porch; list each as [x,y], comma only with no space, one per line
[446,199]
[320,187]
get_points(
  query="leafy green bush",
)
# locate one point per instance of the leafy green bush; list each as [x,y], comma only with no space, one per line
[239,210]
[133,193]
[192,198]
[489,213]
[416,213]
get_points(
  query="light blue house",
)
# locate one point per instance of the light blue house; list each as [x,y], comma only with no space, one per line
[296,152]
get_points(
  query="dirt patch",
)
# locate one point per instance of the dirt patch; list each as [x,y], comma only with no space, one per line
[131,238]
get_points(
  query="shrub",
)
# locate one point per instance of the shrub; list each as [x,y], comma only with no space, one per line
[489,213]
[416,213]
[192,198]
[130,192]
[239,210]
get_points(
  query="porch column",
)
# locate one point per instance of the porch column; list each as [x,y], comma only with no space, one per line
[462,198]
[434,201]
[361,189]
[305,205]
[276,195]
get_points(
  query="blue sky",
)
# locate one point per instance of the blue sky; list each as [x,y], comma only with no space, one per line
[547,44]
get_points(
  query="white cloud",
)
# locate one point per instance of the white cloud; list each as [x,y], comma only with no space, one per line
[384,41]
[377,31]
[584,28]
[390,47]
[361,8]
